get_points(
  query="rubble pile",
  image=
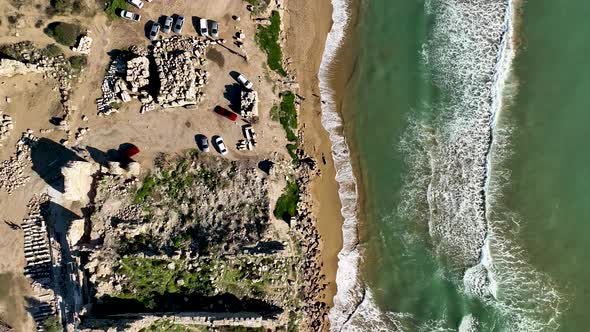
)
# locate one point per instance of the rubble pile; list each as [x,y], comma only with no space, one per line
[180,78]
[10,68]
[313,285]
[78,179]
[12,174]
[83,46]
[138,73]
[178,61]
[109,83]
[6,126]
[249,104]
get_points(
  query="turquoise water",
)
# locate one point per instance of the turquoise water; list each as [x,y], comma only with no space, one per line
[473,179]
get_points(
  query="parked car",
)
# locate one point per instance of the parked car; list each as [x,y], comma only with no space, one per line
[214,29]
[179,23]
[129,15]
[167,24]
[244,81]
[129,151]
[220,145]
[136,3]
[203,143]
[226,113]
[155,30]
[203,30]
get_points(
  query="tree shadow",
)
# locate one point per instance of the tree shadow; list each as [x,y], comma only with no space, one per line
[265,166]
[48,158]
[39,310]
[266,247]
[182,302]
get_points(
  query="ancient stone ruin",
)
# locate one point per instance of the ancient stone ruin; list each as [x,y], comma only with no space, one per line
[178,61]
[249,104]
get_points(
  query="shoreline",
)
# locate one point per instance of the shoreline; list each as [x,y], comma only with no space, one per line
[306,54]
[336,74]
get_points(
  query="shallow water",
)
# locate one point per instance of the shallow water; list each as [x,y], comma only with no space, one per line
[472,174]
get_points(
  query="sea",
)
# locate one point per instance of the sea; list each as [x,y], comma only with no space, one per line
[458,130]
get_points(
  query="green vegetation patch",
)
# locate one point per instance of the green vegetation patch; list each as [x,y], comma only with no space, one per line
[52,51]
[259,6]
[292,148]
[77,62]
[149,183]
[52,324]
[64,33]
[267,38]
[287,204]
[62,7]
[148,278]
[113,6]
[168,326]
[287,115]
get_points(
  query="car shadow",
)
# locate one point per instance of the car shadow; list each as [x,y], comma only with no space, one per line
[147,28]
[198,140]
[234,74]
[232,94]
[195,21]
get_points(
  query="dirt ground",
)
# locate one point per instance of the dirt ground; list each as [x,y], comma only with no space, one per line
[35,100]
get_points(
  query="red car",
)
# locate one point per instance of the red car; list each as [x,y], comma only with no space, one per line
[226,113]
[130,151]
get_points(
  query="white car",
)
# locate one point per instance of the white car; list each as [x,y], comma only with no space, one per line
[203,29]
[136,3]
[220,145]
[130,16]
[244,81]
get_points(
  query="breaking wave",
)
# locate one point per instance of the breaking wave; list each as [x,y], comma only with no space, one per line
[454,157]
[350,293]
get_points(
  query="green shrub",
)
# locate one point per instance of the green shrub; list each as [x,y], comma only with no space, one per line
[52,324]
[288,115]
[267,38]
[77,62]
[113,6]
[286,206]
[64,33]
[52,50]
[146,188]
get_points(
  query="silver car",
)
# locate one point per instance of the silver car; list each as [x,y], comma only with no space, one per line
[214,29]
[167,24]
[179,23]
[154,31]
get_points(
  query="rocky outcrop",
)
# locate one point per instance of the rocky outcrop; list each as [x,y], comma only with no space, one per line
[10,68]
[78,180]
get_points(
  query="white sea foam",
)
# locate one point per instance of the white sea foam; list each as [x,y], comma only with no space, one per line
[451,159]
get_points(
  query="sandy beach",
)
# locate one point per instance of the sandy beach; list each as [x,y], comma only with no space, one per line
[306,28]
